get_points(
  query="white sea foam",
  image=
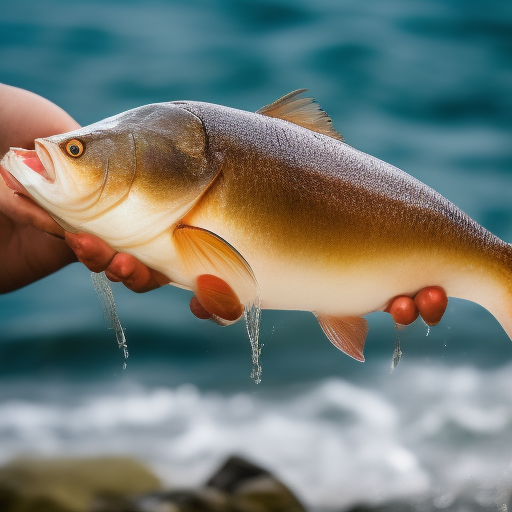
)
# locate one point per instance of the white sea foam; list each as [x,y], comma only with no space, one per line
[437,431]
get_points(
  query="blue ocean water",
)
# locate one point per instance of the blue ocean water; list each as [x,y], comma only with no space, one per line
[422,84]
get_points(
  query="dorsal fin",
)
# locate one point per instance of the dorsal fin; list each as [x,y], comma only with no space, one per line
[302,111]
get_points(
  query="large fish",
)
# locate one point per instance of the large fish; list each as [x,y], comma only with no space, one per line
[272,204]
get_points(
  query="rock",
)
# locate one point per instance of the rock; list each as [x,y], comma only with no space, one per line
[233,472]
[70,485]
[253,489]
[238,486]
[202,500]
[124,485]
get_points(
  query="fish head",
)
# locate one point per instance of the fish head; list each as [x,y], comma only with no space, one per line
[139,170]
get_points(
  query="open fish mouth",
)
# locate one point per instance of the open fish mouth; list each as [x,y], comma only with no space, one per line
[44,166]
[38,161]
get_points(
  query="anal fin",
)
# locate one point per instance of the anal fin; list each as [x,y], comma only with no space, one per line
[346,333]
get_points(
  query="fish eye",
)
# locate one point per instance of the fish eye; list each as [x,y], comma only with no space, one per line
[75,148]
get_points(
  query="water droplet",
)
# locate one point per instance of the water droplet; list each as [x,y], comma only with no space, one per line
[102,287]
[252,314]
[397,353]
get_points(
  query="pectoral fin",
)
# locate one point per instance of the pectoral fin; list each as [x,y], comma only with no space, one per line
[346,333]
[211,261]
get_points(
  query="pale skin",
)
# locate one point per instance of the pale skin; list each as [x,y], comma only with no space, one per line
[33,245]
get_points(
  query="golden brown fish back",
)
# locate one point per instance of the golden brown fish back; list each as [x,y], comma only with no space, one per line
[298,192]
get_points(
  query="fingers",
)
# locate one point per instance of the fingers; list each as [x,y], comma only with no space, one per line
[98,256]
[198,310]
[90,250]
[430,303]
[403,310]
[134,274]
[29,212]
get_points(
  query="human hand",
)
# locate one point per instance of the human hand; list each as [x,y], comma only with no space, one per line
[27,252]
[430,302]
[98,256]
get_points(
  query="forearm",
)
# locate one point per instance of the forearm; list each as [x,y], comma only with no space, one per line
[25,116]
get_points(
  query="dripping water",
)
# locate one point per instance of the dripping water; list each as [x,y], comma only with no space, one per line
[252,314]
[397,353]
[102,287]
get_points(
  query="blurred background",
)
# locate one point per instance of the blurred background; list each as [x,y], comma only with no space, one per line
[423,84]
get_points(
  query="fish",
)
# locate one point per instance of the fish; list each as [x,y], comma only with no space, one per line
[271,208]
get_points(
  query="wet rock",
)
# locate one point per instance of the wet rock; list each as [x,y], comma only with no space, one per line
[253,489]
[124,485]
[70,485]
[238,486]
[235,472]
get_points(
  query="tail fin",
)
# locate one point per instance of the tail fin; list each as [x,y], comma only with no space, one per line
[490,285]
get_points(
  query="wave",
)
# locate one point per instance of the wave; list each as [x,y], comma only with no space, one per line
[439,431]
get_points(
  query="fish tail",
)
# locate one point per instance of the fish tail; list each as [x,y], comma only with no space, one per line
[502,309]
[491,286]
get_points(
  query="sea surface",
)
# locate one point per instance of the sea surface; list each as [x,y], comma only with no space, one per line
[423,84]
